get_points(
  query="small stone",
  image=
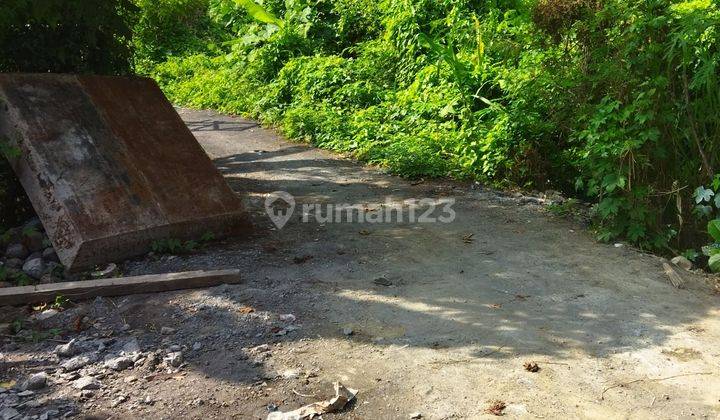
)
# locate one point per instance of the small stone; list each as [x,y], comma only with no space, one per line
[46,314]
[48,415]
[14,263]
[9,413]
[16,251]
[131,347]
[197,346]
[34,268]
[291,374]
[86,382]
[287,318]
[24,394]
[416,416]
[77,362]
[48,278]
[119,363]
[36,381]
[87,394]
[34,241]
[348,331]
[110,271]
[262,348]
[67,350]
[49,254]
[119,400]
[682,262]
[167,331]
[174,359]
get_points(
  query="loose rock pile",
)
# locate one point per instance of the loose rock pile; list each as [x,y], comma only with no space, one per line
[28,257]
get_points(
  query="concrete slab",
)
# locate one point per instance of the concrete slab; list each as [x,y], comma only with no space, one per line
[110,167]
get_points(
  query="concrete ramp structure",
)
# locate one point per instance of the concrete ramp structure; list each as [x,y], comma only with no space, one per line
[110,167]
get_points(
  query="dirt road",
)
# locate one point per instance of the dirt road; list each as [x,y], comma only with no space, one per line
[429,318]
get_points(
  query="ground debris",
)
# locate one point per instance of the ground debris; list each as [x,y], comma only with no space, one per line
[342,397]
[496,408]
[382,281]
[674,277]
[531,366]
[302,259]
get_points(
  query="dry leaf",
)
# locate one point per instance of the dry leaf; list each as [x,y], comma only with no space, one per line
[531,366]
[496,408]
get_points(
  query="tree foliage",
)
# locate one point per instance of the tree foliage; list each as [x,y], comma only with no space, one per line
[66,36]
[612,101]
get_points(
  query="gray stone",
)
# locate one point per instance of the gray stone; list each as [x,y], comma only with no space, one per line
[16,251]
[78,362]
[131,347]
[14,263]
[67,350]
[119,363]
[348,331]
[34,241]
[49,254]
[36,381]
[48,278]
[34,255]
[682,262]
[167,330]
[49,415]
[174,359]
[46,314]
[34,268]
[197,346]
[9,413]
[86,382]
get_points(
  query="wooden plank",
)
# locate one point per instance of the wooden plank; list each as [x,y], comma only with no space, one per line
[120,286]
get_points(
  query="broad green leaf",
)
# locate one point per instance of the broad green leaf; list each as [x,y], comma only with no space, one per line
[714,229]
[714,263]
[703,194]
[259,13]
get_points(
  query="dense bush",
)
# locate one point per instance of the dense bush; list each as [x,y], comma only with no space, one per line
[614,101]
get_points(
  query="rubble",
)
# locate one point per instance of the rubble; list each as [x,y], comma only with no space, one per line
[86,382]
[342,397]
[36,381]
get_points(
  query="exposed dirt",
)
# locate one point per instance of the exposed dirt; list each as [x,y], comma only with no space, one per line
[430,318]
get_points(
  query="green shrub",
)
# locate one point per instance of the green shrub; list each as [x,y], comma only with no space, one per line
[614,102]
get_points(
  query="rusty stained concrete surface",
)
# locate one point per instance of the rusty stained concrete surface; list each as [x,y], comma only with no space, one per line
[110,167]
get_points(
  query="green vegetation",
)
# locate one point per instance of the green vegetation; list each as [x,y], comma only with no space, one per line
[177,246]
[615,102]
